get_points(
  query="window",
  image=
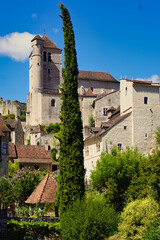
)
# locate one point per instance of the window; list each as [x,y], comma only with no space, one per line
[86,151]
[126,91]
[49,148]
[146,135]
[92,89]
[35,136]
[125,127]
[105,111]
[145,100]
[38,64]
[4,149]
[52,103]
[44,56]
[49,57]
[119,146]
[49,71]
[98,147]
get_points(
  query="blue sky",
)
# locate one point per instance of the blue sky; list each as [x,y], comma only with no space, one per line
[120,37]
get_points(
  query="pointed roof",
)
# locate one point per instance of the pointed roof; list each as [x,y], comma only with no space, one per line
[39,129]
[36,37]
[45,192]
[3,127]
[89,93]
[48,43]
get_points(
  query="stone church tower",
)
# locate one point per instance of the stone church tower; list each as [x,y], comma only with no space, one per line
[45,75]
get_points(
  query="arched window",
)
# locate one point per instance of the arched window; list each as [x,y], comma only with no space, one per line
[44,56]
[49,148]
[49,57]
[53,103]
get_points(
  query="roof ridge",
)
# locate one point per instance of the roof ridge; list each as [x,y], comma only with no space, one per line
[44,186]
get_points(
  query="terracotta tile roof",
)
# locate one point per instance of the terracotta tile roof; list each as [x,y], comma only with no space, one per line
[111,109]
[142,82]
[34,160]
[3,127]
[33,152]
[39,129]
[45,191]
[117,111]
[48,43]
[89,93]
[92,75]
[111,123]
[95,129]
[12,150]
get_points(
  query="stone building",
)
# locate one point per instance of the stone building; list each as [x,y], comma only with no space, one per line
[132,124]
[4,141]
[45,73]
[17,134]
[11,107]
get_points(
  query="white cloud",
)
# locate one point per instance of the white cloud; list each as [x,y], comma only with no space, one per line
[34,15]
[16,45]
[153,78]
[56,30]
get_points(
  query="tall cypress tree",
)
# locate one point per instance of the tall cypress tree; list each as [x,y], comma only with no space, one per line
[71,161]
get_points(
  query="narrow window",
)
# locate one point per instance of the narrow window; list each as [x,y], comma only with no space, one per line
[53,103]
[92,89]
[145,100]
[49,71]
[44,56]
[119,146]
[37,143]
[105,111]
[98,147]
[49,57]
[125,127]
[49,148]
[37,64]
[146,135]
[126,91]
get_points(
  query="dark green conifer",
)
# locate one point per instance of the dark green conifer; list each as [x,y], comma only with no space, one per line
[71,162]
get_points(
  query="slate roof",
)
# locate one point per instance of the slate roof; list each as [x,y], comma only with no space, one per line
[3,127]
[93,75]
[45,192]
[39,129]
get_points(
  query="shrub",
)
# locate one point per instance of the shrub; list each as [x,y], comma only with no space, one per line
[13,168]
[153,231]
[6,191]
[136,217]
[53,128]
[91,121]
[87,220]
[32,230]
[9,116]
[22,118]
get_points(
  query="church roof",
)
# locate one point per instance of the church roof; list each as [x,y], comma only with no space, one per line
[36,37]
[45,191]
[92,75]
[48,43]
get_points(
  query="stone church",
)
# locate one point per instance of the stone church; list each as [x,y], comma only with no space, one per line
[45,76]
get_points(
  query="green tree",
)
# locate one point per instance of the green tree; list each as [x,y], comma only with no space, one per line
[91,121]
[71,162]
[136,217]
[114,173]
[13,168]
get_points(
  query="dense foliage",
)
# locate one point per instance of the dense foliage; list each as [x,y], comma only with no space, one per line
[7,195]
[24,183]
[32,230]
[136,217]
[114,173]
[88,220]
[13,168]
[53,128]
[71,165]
[153,230]
[9,117]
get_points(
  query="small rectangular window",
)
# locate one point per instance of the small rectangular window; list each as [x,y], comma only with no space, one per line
[105,111]
[145,100]
[4,149]
[125,127]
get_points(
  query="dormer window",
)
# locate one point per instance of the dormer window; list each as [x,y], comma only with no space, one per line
[49,57]
[44,56]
